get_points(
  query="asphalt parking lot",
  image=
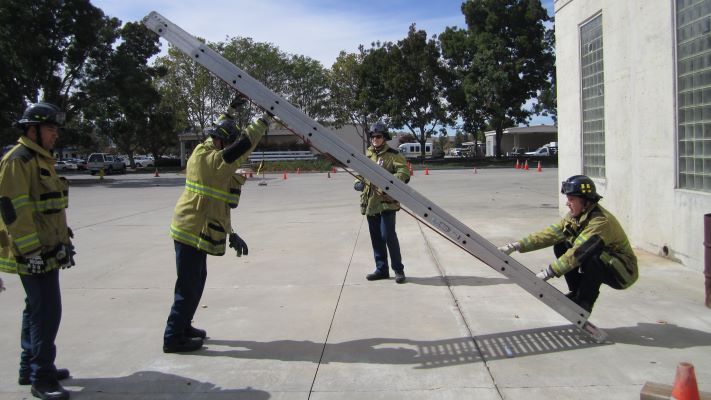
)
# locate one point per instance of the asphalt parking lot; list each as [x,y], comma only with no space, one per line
[296,319]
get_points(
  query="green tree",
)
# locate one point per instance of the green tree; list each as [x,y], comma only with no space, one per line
[498,63]
[122,97]
[410,91]
[196,94]
[344,79]
[46,48]
[307,87]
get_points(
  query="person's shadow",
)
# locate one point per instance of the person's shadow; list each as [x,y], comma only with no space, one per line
[152,385]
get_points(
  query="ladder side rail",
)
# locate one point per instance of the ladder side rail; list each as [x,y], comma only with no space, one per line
[319,136]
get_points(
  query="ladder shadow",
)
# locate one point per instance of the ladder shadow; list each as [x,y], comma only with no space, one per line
[420,354]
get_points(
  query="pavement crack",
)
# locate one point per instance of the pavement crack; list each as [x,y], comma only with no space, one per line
[455,300]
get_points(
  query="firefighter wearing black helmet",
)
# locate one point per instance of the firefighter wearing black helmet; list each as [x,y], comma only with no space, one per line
[590,246]
[201,220]
[35,242]
[380,209]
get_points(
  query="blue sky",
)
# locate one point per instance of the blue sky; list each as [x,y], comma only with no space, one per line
[319,29]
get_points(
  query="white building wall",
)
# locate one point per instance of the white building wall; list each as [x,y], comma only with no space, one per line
[640,122]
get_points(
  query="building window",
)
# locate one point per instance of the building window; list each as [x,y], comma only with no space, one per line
[593,98]
[693,57]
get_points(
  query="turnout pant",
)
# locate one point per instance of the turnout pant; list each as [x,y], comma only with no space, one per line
[584,282]
[384,239]
[191,265]
[40,324]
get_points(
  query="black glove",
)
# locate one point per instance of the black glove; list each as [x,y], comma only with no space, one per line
[238,244]
[359,186]
[238,102]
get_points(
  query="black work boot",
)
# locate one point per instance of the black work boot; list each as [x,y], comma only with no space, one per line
[193,332]
[24,379]
[182,345]
[400,276]
[377,275]
[49,390]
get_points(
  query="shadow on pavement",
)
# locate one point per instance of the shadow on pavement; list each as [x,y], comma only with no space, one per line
[129,183]
[155,385]
[668,336]
[421,354]
[457,281]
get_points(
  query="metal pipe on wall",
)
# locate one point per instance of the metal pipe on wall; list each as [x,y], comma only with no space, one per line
[707,257]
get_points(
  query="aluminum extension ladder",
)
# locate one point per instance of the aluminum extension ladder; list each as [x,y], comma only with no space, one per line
[321,138]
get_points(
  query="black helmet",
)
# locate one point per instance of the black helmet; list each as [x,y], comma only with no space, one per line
[380,128]
[581,186]
[225,129]
[42,113]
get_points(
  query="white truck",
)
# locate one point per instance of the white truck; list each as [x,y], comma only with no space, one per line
[547,150]
[109,163]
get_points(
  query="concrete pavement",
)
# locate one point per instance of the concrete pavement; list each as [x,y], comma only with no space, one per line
[296,319]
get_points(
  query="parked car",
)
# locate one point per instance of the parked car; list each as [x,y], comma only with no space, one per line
[64,165]
[142,162]
[107,162]
[546,150]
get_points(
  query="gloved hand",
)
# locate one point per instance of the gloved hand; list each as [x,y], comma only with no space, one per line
[359,186]
[546,274]
[238,244]
[238,102]
[509,248]
[36,264]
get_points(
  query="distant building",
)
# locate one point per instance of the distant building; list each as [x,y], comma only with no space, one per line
[527,137]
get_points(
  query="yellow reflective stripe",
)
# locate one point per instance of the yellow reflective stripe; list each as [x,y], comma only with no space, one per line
[51,204]
[8,265]
[27,241]
[557,230]
[21,201]
[580,239]
[559,266]
[195,241]
[211,192]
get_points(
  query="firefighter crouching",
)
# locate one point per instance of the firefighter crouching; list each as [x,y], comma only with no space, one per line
[35,243]
[589,243]
[201,221]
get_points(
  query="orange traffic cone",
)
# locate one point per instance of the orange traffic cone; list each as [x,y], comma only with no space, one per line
[517,165]
[156,174]
[525,167]
[334,170]
[285,175]
[685,387]
[427,171]
[539,169]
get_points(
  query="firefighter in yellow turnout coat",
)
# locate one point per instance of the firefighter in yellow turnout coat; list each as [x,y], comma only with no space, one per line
[201,222]
[35,243]
[590,246]
[380,209]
